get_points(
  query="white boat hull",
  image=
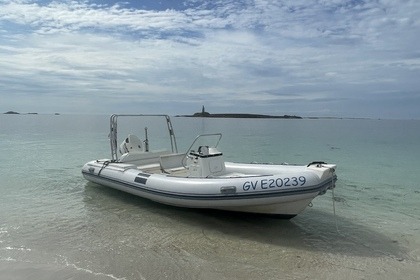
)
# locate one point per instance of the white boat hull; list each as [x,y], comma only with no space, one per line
[281,194]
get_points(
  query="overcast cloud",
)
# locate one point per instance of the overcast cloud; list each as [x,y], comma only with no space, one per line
[310,58]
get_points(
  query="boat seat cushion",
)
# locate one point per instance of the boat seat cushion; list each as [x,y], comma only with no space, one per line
[142,158]
[171,162]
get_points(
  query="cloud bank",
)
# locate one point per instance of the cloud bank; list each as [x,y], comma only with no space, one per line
[325,58]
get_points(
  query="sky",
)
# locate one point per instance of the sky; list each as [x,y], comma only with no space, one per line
[330,58]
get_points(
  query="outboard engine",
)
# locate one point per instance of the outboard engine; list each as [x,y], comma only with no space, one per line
[131,144]
[206,162]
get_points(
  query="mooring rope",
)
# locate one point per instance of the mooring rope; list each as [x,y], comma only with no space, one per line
[333,199]
[105,164]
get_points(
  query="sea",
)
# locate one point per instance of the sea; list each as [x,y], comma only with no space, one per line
[56,225]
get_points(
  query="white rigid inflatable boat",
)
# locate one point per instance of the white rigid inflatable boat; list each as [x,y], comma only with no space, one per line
[202,179]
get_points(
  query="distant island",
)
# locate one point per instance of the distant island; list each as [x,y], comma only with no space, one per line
[204,114]
[16,113]
[30,113]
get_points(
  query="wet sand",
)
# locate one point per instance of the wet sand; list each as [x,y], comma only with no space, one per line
[185,244]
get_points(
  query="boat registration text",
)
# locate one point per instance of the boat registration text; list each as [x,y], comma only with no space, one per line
[265,184]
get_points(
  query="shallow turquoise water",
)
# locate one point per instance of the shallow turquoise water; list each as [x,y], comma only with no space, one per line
[55,225]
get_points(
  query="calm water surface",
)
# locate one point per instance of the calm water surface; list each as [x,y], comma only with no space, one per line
[56,225]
